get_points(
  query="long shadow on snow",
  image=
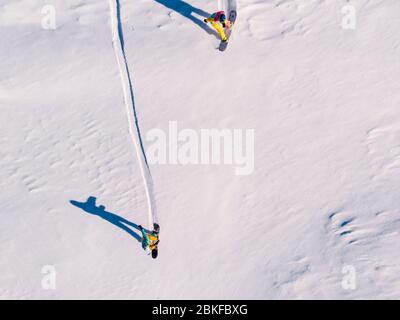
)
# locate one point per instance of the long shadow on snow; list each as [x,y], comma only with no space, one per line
[90,207]
[187,11]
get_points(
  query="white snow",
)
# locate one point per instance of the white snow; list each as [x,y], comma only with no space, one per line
[323,198]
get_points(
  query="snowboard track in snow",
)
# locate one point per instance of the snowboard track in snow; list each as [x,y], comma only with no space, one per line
[129,98]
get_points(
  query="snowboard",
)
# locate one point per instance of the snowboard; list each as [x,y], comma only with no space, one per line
[154,252]
[232,18]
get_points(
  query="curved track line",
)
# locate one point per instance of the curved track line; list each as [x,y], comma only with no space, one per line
[134,130]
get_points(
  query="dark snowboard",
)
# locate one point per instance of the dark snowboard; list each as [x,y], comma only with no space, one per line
[154,252]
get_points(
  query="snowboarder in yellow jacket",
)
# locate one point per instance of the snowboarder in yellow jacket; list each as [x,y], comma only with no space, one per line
[150,240]
[219,22]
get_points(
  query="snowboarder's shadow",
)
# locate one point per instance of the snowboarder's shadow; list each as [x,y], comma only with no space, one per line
[187,11]
[90,207]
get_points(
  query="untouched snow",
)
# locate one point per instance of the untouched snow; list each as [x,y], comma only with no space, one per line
[324,105]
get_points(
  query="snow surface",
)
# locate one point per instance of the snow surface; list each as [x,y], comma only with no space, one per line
[323,101]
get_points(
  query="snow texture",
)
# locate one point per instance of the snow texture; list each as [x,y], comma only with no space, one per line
[77,103]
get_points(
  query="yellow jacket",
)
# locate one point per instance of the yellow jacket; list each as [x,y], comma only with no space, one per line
[217,26]
[153,241]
